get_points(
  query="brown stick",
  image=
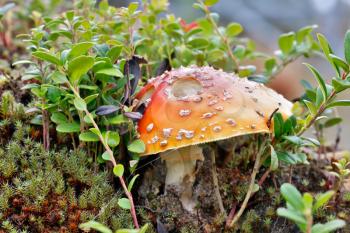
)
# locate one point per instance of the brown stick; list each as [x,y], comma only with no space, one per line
[264,176]
[216,183]
[250,188]
[46,129]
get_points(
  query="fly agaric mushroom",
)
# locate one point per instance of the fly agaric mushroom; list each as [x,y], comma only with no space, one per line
[186,107]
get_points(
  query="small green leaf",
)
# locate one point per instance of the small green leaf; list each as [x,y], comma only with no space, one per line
[95,226]
[210,2]
[114,53]
[326,48]
[137,146]
[106,156]
[21,62]
[322,199]
[304,32]
[68,127]
[88,137]
[46,56]
[274,159]
[124,230]
[70,15]
[58,118]
[292,196]
[313,141]
[286,42]
[124,203]
[245,71]
[132,181]
[233,29]
[319,79]
[339,62]
[340,85]
[294,139]
[80,104]
[90,98]
[278,124]
[95,131]
[198,43]
[255,188]
[58,78]
[113,71]
[312,108]
[113,139]
[339,103]
[30,86]
[307,201]
[332,122]
[133,7]
[78,67]
[328,227]
[347,46]
[80,49]
[292,215]
[118,170]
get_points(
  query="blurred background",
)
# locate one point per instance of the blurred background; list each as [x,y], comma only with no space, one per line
[264,21]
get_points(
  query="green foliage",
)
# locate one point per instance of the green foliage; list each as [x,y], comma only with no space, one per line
[11,113]
[341,170]
[300,210]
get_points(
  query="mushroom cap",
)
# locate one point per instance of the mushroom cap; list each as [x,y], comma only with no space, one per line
[193,105]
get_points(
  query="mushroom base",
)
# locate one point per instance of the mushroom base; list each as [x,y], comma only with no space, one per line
[181,168]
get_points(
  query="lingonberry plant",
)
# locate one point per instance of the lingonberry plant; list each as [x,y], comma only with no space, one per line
[301,208]
[87,64]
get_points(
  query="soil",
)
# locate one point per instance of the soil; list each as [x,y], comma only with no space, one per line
[260,216]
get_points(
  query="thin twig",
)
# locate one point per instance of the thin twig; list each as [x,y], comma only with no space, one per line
[223,38]
[251,186]
[216,182]
[112,159]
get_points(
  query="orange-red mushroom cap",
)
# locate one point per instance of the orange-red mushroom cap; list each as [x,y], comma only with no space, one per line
[189,106]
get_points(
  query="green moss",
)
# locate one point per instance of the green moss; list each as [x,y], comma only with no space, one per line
[53,190]
[250,220]
[346,197]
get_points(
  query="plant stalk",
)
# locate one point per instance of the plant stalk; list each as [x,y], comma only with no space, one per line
[224,40]
[112,159]
[250,188]
[216,183]
[46,129]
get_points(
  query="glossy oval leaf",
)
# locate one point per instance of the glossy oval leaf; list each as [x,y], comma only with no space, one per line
[59,118]
[137,146]
[319,79]
[79,66]
[233,29]
[124,203]
[118,170]
[88,137]
[46,56]
[68,127]
[93,225]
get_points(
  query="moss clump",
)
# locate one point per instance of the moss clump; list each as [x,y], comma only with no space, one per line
[53,191]
[10,112]
[250,221]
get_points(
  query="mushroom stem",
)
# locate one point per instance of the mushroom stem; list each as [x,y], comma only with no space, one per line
[216,182]
[181,172]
